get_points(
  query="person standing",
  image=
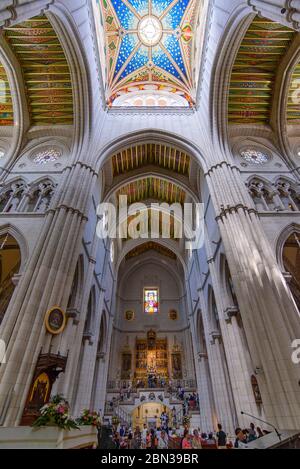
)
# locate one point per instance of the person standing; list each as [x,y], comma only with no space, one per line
[163,442]
[196,441]
[144,436]
[186,441]
[221,436]
[154,441]
[252,433]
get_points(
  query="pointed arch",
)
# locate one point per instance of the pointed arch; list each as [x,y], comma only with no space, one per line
[77,286]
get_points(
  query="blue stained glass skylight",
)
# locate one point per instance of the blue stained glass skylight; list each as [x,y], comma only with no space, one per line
[141,6]
[149,42]
[158,6]
[161,60]
[173,18]
[138,60]
[127,46]
[125,16]
[172,45]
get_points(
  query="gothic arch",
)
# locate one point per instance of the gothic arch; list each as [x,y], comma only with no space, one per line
[19,104]
[168,243]
[281,240]
[89,327]
[150,260]
[15,233]
[233,35]
[149,135]
[213,309]
[75,296]
[68,35]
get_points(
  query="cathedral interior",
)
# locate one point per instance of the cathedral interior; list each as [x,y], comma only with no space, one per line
[179,103]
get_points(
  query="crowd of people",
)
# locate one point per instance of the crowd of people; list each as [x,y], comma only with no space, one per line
[165,437]
[248,435]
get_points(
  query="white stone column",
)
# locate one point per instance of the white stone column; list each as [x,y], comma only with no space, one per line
[43,284]
[269,314]
[207,414]
[236,355]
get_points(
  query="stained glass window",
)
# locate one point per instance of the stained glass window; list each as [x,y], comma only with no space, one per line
[151,300]
[253,156]
[47,156]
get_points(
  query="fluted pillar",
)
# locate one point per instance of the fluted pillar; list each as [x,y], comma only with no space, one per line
[204,389]
[218,373]
[236,354]
[269,313]
[43,285]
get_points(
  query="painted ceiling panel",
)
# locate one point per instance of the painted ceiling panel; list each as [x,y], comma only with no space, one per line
[45,70]
[6,106]
[254,71]
[150,154]
[149,42]
[293,106]
[152,188]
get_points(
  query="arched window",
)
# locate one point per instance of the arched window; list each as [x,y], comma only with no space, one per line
[261,195]
[230,284]
[256,390]
[10,261]
[291,262]
[39,197]
[11,196]
[214,310]
[290,198]
[90,316]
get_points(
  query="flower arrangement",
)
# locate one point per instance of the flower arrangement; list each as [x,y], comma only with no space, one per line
[186,421]
[89,418]
[56,413]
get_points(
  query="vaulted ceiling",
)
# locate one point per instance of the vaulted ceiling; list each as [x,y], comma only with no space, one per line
[6,106]
[152,188]
[45,71]
[149,46]
[139,156]
[254,72]
[293,105]
[150,246]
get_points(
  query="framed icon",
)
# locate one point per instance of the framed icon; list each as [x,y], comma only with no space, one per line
[129,315]
[55,320]
[173,315]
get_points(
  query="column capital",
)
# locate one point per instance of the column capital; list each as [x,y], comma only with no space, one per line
[230,312]
[215,336]
[74,314]
[229,209]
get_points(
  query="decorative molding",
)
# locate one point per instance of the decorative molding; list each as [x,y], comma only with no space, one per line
[230,312]
[74,314]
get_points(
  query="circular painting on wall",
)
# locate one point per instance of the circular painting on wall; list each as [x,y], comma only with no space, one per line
[55,320]
[173,315]
[129,315]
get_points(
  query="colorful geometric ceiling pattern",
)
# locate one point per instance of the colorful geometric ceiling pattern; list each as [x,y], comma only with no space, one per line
[151,246]
[254,71]
[45,70]
[152,188]
[6,106]
[293,105]
[149,46]
[160,155]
